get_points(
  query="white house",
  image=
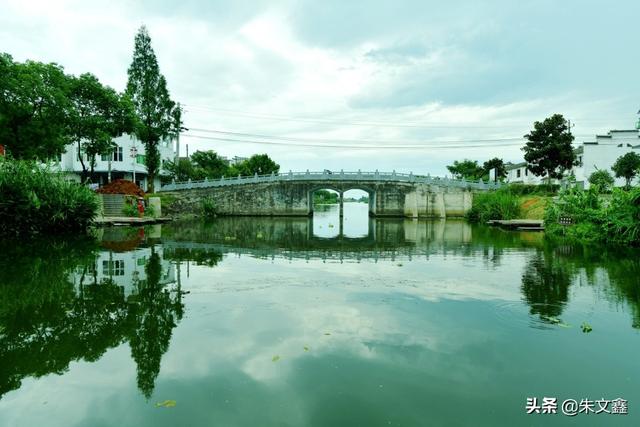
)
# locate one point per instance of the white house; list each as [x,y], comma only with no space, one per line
[127,160]
[519,173]
[606,149]
[600,154]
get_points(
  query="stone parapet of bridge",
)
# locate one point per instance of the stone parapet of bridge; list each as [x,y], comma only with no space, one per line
[331,176]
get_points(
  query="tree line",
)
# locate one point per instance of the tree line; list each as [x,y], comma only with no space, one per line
[549,153]
[43,109]
[209,164]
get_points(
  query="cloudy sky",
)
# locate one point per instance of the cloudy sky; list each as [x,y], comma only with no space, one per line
[404,85]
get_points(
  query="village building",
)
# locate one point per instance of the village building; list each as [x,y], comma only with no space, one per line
[127,161]
[598,154]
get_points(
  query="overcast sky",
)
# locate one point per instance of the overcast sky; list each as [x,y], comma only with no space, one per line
[348,73]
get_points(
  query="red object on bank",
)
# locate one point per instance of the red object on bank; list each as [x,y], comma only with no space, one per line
[1,150]
[140,207]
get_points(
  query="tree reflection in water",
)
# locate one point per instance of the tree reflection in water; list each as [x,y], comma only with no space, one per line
[47,321]
[545,285]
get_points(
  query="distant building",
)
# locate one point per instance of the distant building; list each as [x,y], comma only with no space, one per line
[600,154]
[235,160]
[606,149]
[127,157]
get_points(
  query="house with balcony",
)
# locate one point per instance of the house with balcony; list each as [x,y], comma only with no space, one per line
[127,161]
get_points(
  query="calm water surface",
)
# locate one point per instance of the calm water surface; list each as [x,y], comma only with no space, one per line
[314,322]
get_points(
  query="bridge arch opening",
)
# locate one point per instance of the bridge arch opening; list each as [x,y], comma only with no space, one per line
[338,211]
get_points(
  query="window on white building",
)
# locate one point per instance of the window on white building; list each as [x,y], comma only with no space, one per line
[113,268]
[518,173]
[526,172]
[117,154]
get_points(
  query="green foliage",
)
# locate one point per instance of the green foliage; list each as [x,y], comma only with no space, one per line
[498,165]
[98,115]
[130,210]
[602,179]
[209,164]
[34,109]
[260,164]
[34,200]
[527,189]
[208,207]
[627,167]
[548,150]
[183,170]
[615,222]
[147,89]
[323,197]
[467,169]
[498,204]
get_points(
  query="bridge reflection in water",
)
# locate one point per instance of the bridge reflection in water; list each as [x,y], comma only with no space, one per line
[294,238]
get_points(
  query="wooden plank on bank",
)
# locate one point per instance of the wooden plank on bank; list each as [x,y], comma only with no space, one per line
[124,220]
[519,224]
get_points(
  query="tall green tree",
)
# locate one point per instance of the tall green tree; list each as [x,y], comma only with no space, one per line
[260,164]
[467,169]
[147,88]
[183,170]
[498,165]
[627,167]
[34,109]
[211,163]
[98,115]
[549,150]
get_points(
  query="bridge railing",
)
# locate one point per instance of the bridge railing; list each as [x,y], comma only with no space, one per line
[330,176]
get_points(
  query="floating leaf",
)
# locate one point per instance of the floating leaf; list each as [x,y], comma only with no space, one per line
[400,264]
[330,225]
[275,358]
[306,348]
[586,328]
[166,404]
[327,333]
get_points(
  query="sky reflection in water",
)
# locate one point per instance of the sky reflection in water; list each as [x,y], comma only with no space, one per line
[246,321]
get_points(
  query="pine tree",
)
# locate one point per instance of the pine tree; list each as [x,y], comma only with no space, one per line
[148,91]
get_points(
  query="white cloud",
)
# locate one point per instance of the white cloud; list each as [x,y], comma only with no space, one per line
[497,68]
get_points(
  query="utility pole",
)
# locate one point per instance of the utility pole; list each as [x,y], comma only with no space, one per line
[181,128]
[134,157]
[569,125]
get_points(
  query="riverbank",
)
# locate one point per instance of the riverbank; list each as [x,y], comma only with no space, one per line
[35,200]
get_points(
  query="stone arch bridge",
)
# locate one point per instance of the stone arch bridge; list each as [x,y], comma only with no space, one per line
[291,194]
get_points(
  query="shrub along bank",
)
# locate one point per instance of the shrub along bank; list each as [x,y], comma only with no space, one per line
[498,204]
[34,200]
[593,218]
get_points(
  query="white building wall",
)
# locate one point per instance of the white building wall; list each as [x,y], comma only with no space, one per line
[598,155]
[522,175]
[122,164]
[603,153]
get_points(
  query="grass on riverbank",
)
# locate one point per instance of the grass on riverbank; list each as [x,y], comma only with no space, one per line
[34,200]
[594,219]
[498,204]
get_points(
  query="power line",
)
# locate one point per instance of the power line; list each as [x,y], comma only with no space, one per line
[361,147]
[434,125]
[334,140]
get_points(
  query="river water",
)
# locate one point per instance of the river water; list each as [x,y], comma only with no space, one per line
[316,322]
